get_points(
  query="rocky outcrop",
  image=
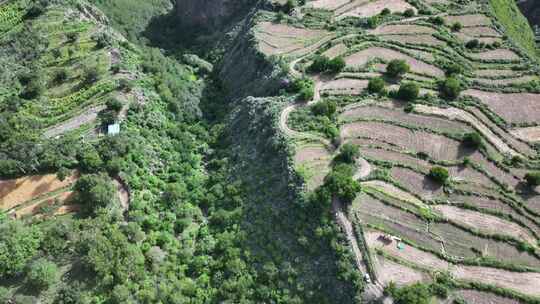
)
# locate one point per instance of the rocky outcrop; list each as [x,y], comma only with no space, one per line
[210,14]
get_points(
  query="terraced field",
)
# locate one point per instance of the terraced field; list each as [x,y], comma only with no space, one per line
[480,225]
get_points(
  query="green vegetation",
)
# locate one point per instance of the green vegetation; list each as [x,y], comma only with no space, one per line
[304,87]
[436,20]
[515,24]
[533,178]
[397,68]
[456,27]
[42,274]
[408,91]
[323,64]
[439,174]
[348,153]
[376,85]
[340,182]
[408,13]
[417,293]
[450,88]
[324,108]
[473,140]
[18,244]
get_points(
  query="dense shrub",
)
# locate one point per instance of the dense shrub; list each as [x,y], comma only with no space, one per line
[397,68]
[436,20]
[348,153]
[95,191]
[385,11]
[409,13]
[18,244]
[456,27]
[450,88]
[472,139]
[452,69]
[90,75]
[304,87]
[324,64]
[439,174]
[533,178]
[33,89]
[341,184]
[324,108]
[114,104]
[376,85]
[42,274]
[473,44]
[60,76]
[417,293]
[408,91]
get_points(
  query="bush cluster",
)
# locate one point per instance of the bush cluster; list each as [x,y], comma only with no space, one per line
[450,88]
[324,108]
[397,68]
[408,91]
[323,64]
[439,174]
[376,85]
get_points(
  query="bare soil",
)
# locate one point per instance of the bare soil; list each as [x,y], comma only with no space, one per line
[472,296]
[397,29]
[414,39]
[17,191]
[390,271]
[512,107]
[529,134]
[469,20]
[336,50]
[416,182]
[374,8]
[344,86]
[498,54]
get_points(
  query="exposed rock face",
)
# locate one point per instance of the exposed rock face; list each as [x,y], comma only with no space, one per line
[531,10]
[210,14]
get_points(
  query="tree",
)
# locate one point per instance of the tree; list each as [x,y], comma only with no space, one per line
[409,13]
[453,69]
[417,293]
[376,85]
[533,178]
[95,191]
[114,104]
[341,184]
[348,153]
[324,64]
[437,20]
[288,6]
[42,274]
[90,75]
[408,91]
[306,94]
[472,44]
[456,27]
[386,11]
[18,244]
[450,88]
[324,108]
[473,140]
[397,68]
[439,174]
[90,160]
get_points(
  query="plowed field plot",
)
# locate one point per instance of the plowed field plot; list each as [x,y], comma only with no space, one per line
[513,107]
[497,205]
[314,163]
[519,146]
[480,31]
[388,112]
[461,243]
[416,182]
[485,223]
[504,81]
[390,271]
[38,206]
[336,50]
[375,7]
[461,115]
[409,254]
[414,39]
[17,191]
[395,157]
[530,134]
[472,296]
[359,59]
[344,86]
[461,173]
[493,170]
[498,54]
[328,4]
[371,211]
[532,201]
[524,282]
[437,146]
[280,39]
[496,73]
[393,191]
[373,142]
[399,29]
[469,20]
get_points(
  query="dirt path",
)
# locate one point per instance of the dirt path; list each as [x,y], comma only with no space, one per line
[364,169]
[123,193]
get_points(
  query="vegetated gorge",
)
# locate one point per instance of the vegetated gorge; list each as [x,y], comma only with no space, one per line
[268,151]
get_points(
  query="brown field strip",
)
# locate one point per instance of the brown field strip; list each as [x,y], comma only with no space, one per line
[416,183]
[512,107]
[496,73]
[375,7]
[314,162]
[398,29]
[362,57]
[344,86]
[472,296]
[36,207]
[524,282]
[486,223]
[328,4]
[504,81]
[414,39]
[498,54]
[17,191]
[529,134]
[336,50]
[469,20]
[390,271]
